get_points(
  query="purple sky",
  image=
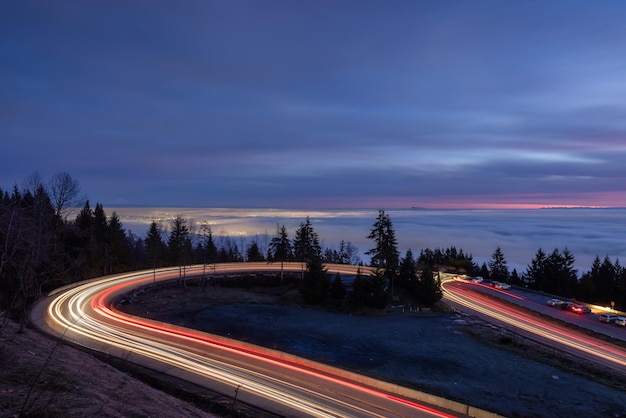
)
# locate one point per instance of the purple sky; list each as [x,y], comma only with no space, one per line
[318,104]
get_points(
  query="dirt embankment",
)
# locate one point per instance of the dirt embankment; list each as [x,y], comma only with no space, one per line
[42,378]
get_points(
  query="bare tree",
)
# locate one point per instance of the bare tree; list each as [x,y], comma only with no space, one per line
[65,194]
[33,182]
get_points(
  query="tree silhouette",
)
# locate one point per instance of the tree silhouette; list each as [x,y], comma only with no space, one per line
[498,268]
[280,249]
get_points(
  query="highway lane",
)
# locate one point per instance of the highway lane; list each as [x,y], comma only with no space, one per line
[83,315]
[528,324]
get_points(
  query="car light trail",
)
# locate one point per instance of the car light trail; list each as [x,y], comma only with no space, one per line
[83,314]
[608,354]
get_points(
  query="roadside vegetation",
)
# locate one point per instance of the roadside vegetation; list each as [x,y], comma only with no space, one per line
[50,236]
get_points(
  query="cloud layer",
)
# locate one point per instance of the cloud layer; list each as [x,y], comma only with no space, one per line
[323,104]
[586,233]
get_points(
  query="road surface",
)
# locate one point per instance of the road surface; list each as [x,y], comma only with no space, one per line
[278,382]
[519,317]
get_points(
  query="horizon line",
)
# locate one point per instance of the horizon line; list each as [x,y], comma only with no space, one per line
[470,207]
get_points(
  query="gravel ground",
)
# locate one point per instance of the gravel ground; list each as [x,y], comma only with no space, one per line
[438,353]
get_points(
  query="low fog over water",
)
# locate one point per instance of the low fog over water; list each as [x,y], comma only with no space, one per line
[519,233]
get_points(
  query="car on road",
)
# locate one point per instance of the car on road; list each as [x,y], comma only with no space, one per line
[580,309]
[608,318]
[555,302]
[620,320]
[503,286]
[566,306]
[477,279]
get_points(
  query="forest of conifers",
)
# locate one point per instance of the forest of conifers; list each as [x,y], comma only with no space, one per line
[46,241]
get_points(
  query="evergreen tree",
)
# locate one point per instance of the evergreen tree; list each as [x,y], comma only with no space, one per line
[118,244]
[360,289]
[85,218]
[253,253]
[515,279]
[99,223]
[379,293]
[347,253]
[586,288]
[498,268]
[385,254]
[484,272]
[553,274]
[535,275]
[408,271]
[280,249]
[605,280]
[93,240]
[229,250]
[428,289]
[337,289]
[568,275]
[206,250]
[458,260]
[154,245]
[620,295]
[315,283]
[179,243]
[31,255]
[306,245]
[559,275]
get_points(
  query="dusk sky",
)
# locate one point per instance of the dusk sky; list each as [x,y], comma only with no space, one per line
[318,104]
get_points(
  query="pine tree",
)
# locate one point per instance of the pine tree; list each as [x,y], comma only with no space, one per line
[85,219]
[535,275]
[514,278]
[559,275]
[118,244]
[376,292]
[280,249]
[253,253]
[385,254]
[179,246]
[499,271]
[484,272]
[568,274]
[605,280]
[155,247]
[360,289]
[408,271]
[385,257]
[315,283]
[428,289]
[337,289]
[306,242]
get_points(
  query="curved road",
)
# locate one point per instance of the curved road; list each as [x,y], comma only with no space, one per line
[83,314]
[523,321]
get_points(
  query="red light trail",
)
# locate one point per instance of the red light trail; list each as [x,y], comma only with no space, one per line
[296,387]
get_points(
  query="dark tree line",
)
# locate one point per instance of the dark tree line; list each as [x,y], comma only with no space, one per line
[449,258]
[367,290]
[554,273]
[43,247]
[39,249]
[45,243]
